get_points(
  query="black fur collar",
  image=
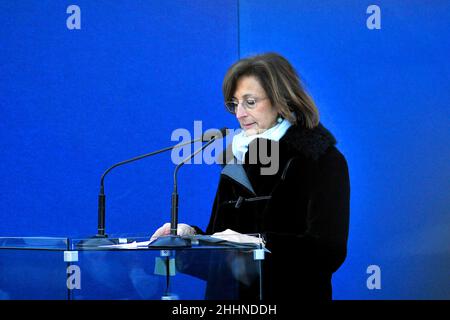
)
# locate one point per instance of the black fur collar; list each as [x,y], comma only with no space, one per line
[311,143]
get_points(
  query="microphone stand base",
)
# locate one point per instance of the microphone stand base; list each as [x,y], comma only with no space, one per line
[96,242]
[170,242]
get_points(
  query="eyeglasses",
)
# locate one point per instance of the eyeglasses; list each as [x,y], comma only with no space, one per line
[247,103]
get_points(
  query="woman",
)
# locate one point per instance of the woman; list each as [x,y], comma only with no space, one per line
[302,208]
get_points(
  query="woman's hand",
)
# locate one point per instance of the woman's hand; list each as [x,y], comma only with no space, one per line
[182,230]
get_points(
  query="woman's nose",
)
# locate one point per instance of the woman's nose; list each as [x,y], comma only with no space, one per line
[240,111]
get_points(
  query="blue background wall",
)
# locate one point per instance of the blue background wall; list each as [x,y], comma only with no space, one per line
[73,102]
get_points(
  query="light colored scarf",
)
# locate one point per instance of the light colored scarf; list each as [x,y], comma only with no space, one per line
[241,140]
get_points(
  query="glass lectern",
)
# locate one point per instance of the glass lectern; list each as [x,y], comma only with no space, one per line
[126,267]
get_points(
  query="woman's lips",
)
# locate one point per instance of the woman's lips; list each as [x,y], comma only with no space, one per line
[249,125]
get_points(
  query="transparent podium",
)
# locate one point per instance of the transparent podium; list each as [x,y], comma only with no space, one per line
[126,267]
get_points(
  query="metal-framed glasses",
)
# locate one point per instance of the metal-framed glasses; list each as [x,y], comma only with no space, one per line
[248,104]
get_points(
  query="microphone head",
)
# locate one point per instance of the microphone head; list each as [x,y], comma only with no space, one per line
[223,132]
[214,134]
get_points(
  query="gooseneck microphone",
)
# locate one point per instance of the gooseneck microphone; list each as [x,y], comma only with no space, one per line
[173,240]
[174,208]
[206,137]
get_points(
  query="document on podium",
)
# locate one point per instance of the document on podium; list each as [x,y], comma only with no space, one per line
[226,238]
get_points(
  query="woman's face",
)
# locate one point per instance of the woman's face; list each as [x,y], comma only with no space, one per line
[260,118]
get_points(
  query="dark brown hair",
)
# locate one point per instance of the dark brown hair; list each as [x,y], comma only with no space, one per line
[281,83]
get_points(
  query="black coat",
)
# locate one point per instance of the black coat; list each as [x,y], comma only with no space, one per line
[302,211]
